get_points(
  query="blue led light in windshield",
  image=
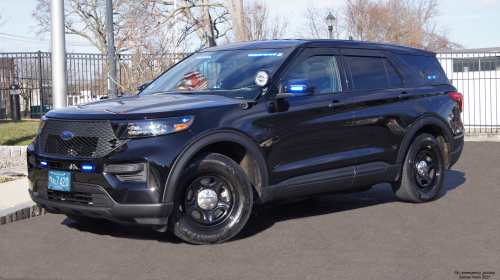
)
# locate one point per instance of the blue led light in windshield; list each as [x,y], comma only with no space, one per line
[432,77]
[297,88]
[262,54]
[204,57]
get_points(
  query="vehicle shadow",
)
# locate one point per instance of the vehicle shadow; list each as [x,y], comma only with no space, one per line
[265,216]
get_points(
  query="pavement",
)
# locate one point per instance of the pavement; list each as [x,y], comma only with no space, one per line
[15,201]
[16,204]
[369,235]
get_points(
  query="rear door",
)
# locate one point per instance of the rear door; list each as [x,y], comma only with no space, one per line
[384,107]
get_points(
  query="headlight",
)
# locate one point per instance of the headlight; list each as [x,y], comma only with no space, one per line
[150,128]
[41,124]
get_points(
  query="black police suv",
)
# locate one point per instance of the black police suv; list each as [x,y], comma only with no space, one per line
[248,123]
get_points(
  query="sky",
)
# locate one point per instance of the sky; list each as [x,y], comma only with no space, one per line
[472,24]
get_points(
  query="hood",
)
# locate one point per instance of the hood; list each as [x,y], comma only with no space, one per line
[141,106]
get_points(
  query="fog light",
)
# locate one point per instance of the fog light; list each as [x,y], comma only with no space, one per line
[128,172]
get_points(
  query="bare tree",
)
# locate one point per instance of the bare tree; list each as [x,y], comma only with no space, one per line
[87,18]
[316,26]
[209,20]
[261,25]
[403,22]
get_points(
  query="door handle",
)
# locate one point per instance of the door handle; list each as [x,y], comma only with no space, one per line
[337,104]
[404,95]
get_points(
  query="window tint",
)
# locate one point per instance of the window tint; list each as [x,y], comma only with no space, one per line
[428,68]
[367,72]
[322,71]
[394,79]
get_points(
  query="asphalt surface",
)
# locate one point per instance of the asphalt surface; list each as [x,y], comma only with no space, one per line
[369,235]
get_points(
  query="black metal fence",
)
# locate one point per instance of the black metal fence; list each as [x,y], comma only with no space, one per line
[87,77]
[475,74]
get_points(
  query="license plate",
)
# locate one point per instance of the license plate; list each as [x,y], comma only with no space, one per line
[59,181]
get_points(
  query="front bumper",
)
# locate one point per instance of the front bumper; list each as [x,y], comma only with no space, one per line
[100,194]
[151,214]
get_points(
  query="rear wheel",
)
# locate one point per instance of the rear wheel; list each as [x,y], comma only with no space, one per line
[213,201]
[423,171]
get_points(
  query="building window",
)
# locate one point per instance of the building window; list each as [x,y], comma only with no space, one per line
[476,64]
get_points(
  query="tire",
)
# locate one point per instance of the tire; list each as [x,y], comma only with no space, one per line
[85,219]
[213,201]
[423,171]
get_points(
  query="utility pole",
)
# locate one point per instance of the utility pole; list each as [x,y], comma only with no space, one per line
[59,82]
[110,40]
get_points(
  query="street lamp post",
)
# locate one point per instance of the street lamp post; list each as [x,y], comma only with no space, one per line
[15,105]
[330,20]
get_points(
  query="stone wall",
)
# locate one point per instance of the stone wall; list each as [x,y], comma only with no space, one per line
[12,156]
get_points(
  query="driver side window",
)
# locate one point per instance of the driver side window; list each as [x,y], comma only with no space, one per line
[320,70]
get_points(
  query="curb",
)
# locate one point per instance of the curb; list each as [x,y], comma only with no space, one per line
[21,212]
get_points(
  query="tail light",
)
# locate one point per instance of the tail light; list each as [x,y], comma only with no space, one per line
[459,98]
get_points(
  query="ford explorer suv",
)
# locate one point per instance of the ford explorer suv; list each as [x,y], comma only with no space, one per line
[242,124]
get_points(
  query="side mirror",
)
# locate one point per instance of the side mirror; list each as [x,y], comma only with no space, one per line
[143,86]
[297,87]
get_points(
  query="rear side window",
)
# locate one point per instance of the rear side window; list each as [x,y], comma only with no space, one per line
[428,68]
[367,72]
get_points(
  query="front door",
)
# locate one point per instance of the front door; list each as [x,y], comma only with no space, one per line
[313,135]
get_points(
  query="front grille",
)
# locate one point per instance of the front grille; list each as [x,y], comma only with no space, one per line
[91,139]
[83,194]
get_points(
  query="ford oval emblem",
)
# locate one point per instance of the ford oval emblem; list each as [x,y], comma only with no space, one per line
[66,135]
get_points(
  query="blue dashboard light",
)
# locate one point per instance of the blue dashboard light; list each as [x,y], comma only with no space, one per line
[262,54]
[88,167]
[43,163]
[435,77]
[298,88]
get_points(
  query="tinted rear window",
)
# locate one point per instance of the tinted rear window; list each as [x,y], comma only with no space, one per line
[428,68]
[367,72]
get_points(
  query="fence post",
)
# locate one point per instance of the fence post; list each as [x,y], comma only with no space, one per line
[40,81]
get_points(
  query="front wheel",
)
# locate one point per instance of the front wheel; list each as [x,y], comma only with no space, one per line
[423,171]
[213,201]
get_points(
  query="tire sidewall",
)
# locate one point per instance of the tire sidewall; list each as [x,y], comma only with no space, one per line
[230,172]
[419,143]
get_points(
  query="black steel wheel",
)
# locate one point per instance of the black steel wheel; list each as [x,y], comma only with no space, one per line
[213,201]
[423,171]
[208,200]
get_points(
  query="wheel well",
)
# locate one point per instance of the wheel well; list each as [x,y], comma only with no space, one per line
[241,156]
[440,135]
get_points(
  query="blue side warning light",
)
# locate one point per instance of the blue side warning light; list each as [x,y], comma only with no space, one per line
[298,88]
[44,163]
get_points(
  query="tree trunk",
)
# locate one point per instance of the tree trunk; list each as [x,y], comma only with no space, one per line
[235,8]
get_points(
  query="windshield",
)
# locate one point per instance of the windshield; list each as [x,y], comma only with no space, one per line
[228,73]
